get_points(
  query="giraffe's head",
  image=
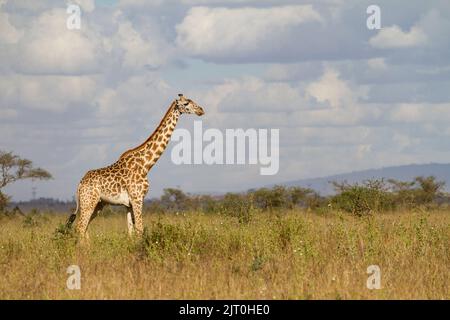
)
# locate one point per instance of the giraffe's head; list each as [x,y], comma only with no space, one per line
[185,105]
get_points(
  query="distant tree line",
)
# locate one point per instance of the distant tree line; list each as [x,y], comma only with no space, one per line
[359,199]
[278,197]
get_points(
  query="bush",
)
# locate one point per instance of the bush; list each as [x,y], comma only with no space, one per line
[363,199]
[403,192]
[376,195]
[174,200]
[280,197]
[208,204]
[4,199]
[422,191]
[237,205]
[268,199]
[428,189]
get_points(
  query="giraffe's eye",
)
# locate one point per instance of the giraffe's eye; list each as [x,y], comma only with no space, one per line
[186,104]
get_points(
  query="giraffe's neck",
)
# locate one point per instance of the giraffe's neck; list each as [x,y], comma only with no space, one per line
[150,151]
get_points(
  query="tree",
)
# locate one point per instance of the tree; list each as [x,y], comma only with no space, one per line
[174,200]
[304,197]
[371,196]
[268,199]
[430,188]
[405,193]
[14,168]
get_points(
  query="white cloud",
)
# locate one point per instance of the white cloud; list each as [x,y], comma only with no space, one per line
[51,93]
[220,31]
[327,101]
[48,47]
[26,5]
[304,71]
[144,93]
[377,63]
[404,141]
[212,2]
[138,3]
[9,34]
[251,94]
[394,37]
[8,113]
[329,88]
[332,136]
[139,52]
[363,150]
[87,5]
[414,113]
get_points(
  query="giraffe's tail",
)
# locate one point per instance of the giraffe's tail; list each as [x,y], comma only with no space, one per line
[73,216]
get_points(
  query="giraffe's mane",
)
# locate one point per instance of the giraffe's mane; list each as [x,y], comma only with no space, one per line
[151,136]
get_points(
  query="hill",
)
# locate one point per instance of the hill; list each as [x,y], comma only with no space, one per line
[404,173]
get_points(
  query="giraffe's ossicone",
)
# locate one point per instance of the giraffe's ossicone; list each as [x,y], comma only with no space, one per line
[125,181]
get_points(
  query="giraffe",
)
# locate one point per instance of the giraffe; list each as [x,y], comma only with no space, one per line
[125,181]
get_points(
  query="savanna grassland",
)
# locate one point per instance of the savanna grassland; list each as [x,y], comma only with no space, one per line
[280,255]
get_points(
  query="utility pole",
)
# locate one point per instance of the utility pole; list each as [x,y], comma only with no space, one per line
[33,192]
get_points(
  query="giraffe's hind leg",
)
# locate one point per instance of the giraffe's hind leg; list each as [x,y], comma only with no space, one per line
[137,214]
[137,193]
[130,221]
[87,209]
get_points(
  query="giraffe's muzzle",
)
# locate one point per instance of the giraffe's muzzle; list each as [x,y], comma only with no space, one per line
[199,111]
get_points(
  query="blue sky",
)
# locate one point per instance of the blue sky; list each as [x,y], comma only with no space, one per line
[343,97]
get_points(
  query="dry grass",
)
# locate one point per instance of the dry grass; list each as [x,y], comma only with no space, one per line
[291,255]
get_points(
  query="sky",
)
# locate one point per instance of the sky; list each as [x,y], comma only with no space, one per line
[344,97]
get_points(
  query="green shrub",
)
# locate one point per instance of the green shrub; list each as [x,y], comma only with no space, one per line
[364,199]
[268,199]
[175,200]
[237,205]
[422,191]
[281,197]
[30,221]
[4,199]
[207,204]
